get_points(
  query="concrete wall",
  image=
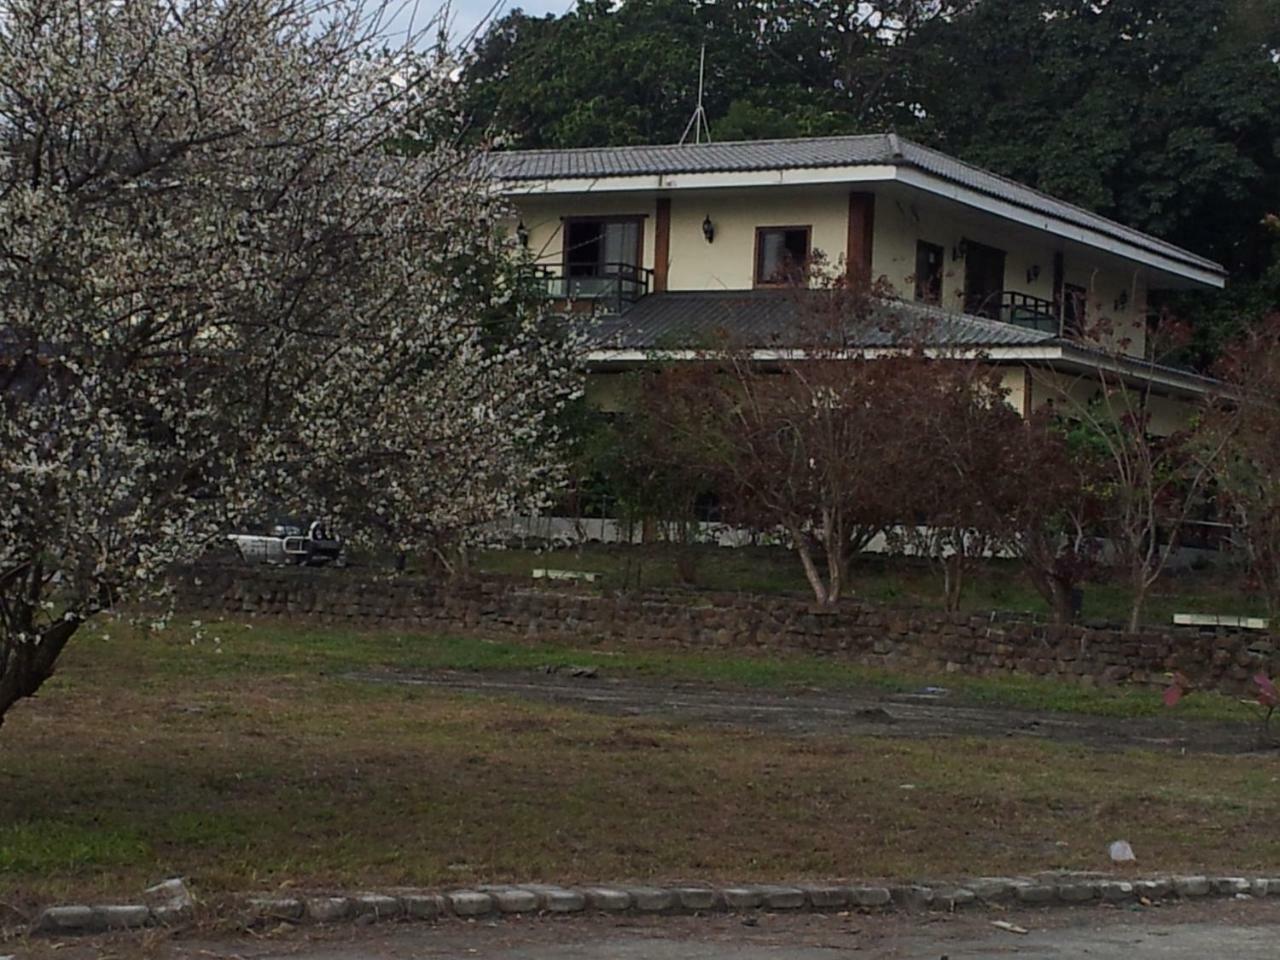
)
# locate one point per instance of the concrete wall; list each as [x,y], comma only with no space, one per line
[864,633]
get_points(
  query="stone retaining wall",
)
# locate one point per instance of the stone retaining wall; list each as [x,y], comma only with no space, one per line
[1219,658]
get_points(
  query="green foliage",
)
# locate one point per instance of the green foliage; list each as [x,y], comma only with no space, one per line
[1159,113]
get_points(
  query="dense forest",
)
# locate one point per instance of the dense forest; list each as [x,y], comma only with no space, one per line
[1164,114]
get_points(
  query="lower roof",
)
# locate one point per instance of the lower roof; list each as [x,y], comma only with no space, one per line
[779,319]
[771,323]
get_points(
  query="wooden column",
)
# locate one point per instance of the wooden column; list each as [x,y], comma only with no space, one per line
[1059,288]
[862,222]
[661,245]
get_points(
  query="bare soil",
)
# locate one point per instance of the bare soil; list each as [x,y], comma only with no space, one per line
[931,713]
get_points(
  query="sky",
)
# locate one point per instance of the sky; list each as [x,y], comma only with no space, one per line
[467,14]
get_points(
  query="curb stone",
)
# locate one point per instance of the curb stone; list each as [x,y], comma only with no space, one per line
[697,899]
[607,899]
[328,909]
[283,908]
[823,897]
[469,903]
[651,899]
[170,902]
[782,898]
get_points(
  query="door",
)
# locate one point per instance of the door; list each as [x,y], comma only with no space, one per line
[983,279]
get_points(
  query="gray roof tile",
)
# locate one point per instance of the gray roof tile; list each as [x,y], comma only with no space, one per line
[852,151]
[765,319]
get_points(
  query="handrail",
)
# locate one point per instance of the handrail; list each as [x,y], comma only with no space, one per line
[1020,309]
[612,285]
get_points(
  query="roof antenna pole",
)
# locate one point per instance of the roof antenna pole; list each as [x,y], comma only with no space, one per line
[698,122]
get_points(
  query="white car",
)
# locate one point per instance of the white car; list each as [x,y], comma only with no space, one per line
[287,544]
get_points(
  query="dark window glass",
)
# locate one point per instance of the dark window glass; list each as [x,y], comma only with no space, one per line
[597,248]
[781,254]
[983,279]
[928,272]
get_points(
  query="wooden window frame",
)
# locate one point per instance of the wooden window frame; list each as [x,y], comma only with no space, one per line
[637,218]
[755,260]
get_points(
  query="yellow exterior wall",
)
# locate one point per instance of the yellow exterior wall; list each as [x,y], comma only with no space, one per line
[1167,414]
[1104,286]
[729,262]
[902,218]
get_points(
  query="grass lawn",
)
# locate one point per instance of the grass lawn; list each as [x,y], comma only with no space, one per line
[254,763]
[997,585]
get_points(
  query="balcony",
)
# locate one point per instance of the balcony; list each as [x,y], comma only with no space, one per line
[604,287]
[1020,309]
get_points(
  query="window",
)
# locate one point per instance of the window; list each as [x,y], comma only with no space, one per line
[602,247]
[928,272]
[983,279]
[1074,300]
[781,254]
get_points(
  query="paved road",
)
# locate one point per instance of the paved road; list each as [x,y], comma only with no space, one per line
[1239,931]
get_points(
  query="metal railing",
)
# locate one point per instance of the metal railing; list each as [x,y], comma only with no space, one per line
[1020,309]
[611,286]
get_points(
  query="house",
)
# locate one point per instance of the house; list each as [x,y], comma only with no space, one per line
[671,243]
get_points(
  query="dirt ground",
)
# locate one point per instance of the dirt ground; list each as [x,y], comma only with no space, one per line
[1242,930]
[930,713]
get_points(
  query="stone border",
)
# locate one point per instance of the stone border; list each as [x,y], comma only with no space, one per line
[171,905]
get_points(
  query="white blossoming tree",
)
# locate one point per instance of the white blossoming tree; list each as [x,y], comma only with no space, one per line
[222,286]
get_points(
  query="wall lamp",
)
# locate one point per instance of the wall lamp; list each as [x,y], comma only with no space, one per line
[709,229]
[1122,301]
[1033,273]
[522,234]
[960,250]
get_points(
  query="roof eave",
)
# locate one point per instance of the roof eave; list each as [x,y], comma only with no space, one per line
[1158,256]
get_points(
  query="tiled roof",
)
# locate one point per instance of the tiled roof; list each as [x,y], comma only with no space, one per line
[852,151]
[765,319]
[742,155]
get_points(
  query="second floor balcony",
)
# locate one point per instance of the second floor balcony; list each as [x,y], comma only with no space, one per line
[1020,309]
[593,286]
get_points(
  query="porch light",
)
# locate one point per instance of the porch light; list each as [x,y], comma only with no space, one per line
[1122,301]
[960,250]
[522,234]
[709,229]
[1033,273]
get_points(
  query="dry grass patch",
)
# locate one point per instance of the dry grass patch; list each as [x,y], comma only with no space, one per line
[140,763]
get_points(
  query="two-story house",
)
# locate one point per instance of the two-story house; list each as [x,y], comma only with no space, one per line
[675,243]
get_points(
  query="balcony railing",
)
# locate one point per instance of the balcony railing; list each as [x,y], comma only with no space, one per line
[1020,309]
[609,286]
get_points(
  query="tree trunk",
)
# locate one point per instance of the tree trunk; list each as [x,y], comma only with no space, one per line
[1061,600]
[811,571]
[31,664]
[953,579]
[1136,605]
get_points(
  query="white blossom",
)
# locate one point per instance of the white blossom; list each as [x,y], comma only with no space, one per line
[226,287]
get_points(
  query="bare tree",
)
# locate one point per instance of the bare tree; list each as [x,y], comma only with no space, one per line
[220,286]
[1152,486]
[800,437]
[1052,518]
[958,438]
[1248,476]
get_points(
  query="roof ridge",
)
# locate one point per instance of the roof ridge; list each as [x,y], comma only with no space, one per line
[765,141]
